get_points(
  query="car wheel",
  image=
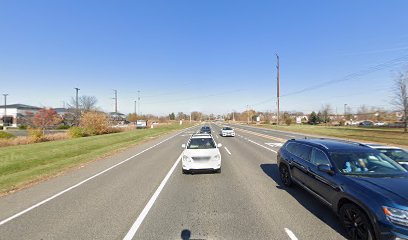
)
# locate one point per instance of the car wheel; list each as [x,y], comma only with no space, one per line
[356,223]
[184,171]
[218,170]
[285,175]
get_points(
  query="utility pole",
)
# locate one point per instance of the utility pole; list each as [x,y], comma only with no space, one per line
[5,109]
[248,114]
[135,107]
[233,115]
[138,99]
[116,100]
[278,87]
[76,98]
[345,109]
[190,117]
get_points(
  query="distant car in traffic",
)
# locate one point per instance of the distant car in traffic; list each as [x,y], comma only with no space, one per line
[205,129]
[365,188]
[366,123]
[201,153]
[397,154]
[227,131]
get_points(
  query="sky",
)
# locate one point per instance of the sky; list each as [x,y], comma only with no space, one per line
[212,56]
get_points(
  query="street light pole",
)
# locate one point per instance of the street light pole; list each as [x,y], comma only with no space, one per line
[5,108]
[116,100]
[278,88]
[135,108]
[77,105]
[138,99]
[248,114]
[345,110]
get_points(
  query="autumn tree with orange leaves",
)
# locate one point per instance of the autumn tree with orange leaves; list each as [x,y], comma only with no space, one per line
[46,118]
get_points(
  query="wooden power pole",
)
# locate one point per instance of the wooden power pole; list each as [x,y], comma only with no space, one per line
[278,88]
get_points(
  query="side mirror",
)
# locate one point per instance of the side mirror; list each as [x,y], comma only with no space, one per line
[325,168]
[183,145]
[219,145]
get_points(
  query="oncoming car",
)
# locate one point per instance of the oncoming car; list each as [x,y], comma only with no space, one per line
[227,131]
[201,153]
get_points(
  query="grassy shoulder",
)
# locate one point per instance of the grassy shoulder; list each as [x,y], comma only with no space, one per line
[26,164]
[379,135]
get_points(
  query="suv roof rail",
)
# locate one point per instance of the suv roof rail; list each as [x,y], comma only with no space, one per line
[347,141]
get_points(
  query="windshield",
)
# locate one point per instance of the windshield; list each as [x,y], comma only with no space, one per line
[366,163]
[398,155]
[227,128]
[201,143]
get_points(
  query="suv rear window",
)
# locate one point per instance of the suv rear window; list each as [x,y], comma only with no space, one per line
[300,150]
[201,143]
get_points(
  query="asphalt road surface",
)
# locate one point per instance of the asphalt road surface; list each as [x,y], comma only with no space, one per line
[142,194]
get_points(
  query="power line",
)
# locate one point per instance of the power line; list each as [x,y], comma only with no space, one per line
[352,76]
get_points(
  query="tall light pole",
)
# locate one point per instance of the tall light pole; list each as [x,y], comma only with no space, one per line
[5,108]
[77,106]
[278,87]
[345,110]
[138,99]
[116,100]
[247,114]
[135,107]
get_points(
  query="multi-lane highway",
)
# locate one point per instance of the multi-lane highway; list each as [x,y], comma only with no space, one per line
[142,194]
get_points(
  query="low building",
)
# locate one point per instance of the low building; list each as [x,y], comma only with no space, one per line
[14,115]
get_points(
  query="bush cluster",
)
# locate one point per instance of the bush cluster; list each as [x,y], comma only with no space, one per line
[35,135]
[6,135]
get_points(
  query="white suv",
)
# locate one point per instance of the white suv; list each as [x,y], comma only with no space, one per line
[201,153]
[227,131]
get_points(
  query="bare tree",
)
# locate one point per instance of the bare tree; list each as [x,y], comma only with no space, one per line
[400,100]
[85,103]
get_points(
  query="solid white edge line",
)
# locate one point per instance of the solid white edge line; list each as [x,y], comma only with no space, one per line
[149,205]
[226,149]
[82,182]
[262,146]
[291,234]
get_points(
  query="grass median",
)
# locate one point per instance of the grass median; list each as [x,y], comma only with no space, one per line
[380,135]
[26,164]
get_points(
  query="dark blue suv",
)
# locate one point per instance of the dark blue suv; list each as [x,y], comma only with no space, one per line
[365,188]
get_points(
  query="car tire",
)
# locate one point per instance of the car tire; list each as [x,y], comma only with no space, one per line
[218,170]
[184,171]
[356,222]
[285,175]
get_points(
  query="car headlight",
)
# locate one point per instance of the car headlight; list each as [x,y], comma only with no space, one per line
[217,157]
[396,216]
[186,158]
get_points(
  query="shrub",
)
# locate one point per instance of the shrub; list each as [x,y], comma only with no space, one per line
[63,127]
[35,135]
[95,123]
[6,135]
[76,132]
[288,121]
[1,127]
[22,127]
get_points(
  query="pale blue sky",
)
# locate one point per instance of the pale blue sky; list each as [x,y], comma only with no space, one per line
[210,56]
